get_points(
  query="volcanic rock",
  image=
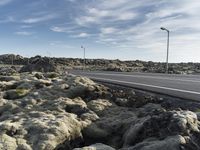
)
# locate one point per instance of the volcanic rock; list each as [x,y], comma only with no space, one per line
[51,111]
[97,146]
[40,64]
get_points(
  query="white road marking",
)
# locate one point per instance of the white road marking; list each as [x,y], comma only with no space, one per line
[140,76]
[147,85]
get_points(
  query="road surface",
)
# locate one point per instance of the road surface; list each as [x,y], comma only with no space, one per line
[181,86]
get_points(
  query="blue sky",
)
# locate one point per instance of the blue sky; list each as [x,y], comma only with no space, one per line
[113,29]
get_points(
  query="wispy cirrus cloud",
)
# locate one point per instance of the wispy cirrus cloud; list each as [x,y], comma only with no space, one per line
[128,24]
[71,0]
[108,30]
[8,19]
[82,35]
[140,29]
[58,29]
[122,25]
[64,28]
[40,18]
[24,33]
[100,16]
[4,2]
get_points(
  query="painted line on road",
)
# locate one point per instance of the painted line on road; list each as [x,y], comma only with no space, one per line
[147,85]
[140,76]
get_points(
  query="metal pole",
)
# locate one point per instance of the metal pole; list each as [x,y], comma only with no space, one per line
[84,59]
[27,56]
[167,65]
[12,59]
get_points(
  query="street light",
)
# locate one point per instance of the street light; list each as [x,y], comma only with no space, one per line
[12,59]
[27,56]
[167,66]
[84,63]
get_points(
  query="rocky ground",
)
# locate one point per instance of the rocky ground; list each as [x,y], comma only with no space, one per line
[104,64]
[51,111]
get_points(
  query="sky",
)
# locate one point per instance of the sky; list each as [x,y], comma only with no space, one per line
[109,29]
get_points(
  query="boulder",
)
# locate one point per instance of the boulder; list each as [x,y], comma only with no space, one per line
[198,115]
[150,109]
[122,102]
[8,78]
[12,58]
[97,146]
[76,106]
[112,123]
[56,111]
[93,132]
[39,75]
[169,143]
[7,142]
[16,94]
[40,64]
[39,113]
[51,75]
[7,71]
[99,105]
[161,126]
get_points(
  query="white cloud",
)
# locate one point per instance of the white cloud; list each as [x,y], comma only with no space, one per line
[108,30]
[85,20]
[8,20]
[126,24]
[101,15]
[24,33]
[58,29]
[127,16]
[98,13]
[82,35]
[64,28]
[71,0]
[39,19]
[4,2]
[113,3]
[181,19]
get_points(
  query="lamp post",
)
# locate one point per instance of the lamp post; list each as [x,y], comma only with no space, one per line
[27,59]
[12,59]
[167,66]
[84,61]
[49,56]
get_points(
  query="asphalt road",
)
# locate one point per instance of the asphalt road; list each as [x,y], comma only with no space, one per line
[181,86]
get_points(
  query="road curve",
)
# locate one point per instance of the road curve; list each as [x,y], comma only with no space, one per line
[181,86]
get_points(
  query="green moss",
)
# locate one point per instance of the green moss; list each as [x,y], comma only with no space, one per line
[22,91]
[52,75]
[198,110]
[16,94]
